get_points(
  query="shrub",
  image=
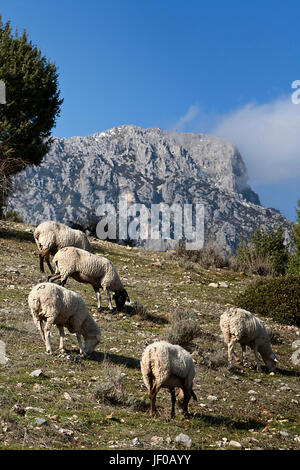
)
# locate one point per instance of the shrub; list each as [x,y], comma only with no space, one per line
[294,265]
[294,259]
[264,254]
[111,387]
[208,257]
[277,298]
[183,328]
[139,309]
[12,216]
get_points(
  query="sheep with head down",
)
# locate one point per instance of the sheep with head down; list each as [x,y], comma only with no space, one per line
[51,236]
[51,304]
[241,326]
[92,269]
[165,365]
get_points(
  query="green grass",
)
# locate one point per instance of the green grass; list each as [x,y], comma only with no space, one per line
[93,424]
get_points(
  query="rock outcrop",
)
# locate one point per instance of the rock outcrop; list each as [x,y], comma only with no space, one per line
[147,166]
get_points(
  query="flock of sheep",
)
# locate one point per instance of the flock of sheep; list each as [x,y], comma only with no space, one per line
[163,365]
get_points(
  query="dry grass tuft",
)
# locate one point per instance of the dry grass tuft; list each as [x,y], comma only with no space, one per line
[183,328]
[111,389]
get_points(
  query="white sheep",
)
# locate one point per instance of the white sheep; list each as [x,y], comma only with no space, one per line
[56,305]
[92,269]
[51,236]
[241,326]
[166,365]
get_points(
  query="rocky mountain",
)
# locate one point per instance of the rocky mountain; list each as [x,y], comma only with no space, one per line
[146,166]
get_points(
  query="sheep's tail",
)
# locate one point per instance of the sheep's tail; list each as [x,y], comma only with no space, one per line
[36,234]
[150,377]
[35,304]
[148,373]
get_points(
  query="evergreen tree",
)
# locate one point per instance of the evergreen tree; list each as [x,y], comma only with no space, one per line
[32,104]
[294,260]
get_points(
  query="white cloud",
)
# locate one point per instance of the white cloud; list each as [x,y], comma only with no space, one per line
[268,138]
[189,116]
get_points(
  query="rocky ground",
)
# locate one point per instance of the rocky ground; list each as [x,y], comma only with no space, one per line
[100,402]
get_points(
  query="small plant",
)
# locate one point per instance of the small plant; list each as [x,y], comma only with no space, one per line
[213,357]
[277,298]
[111,388]
[140,310]
[183,328]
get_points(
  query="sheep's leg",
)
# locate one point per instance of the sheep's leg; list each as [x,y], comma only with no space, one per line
[39,324]
[48,325]
[54,277]
[61,338]
[257,359]
[186,398]
[81,348]
[48,263]
[98,295]
[231,351]
[173,399]
[109,299]
[152,395]
[243,346]
[42,269]
[41,329]
[63,280]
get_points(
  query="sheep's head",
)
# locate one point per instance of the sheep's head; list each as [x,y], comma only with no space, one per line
[271,362]
[120,297]
[91,342]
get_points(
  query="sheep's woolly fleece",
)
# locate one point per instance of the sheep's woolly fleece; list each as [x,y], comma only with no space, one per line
[52,234]
[169,364]
[71,260]
[62,307]
[243,325]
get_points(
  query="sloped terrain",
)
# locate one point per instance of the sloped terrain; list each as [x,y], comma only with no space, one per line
[100,402]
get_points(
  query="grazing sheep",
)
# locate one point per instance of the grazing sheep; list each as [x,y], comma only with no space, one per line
[51,236]
[240,326]
[92,269]
[64,308]
[166,365]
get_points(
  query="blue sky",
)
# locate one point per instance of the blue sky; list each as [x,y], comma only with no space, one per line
[223,68]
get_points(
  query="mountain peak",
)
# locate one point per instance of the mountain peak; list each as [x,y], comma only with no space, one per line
[153,166]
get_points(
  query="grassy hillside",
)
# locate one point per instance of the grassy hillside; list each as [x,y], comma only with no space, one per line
[100,402]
